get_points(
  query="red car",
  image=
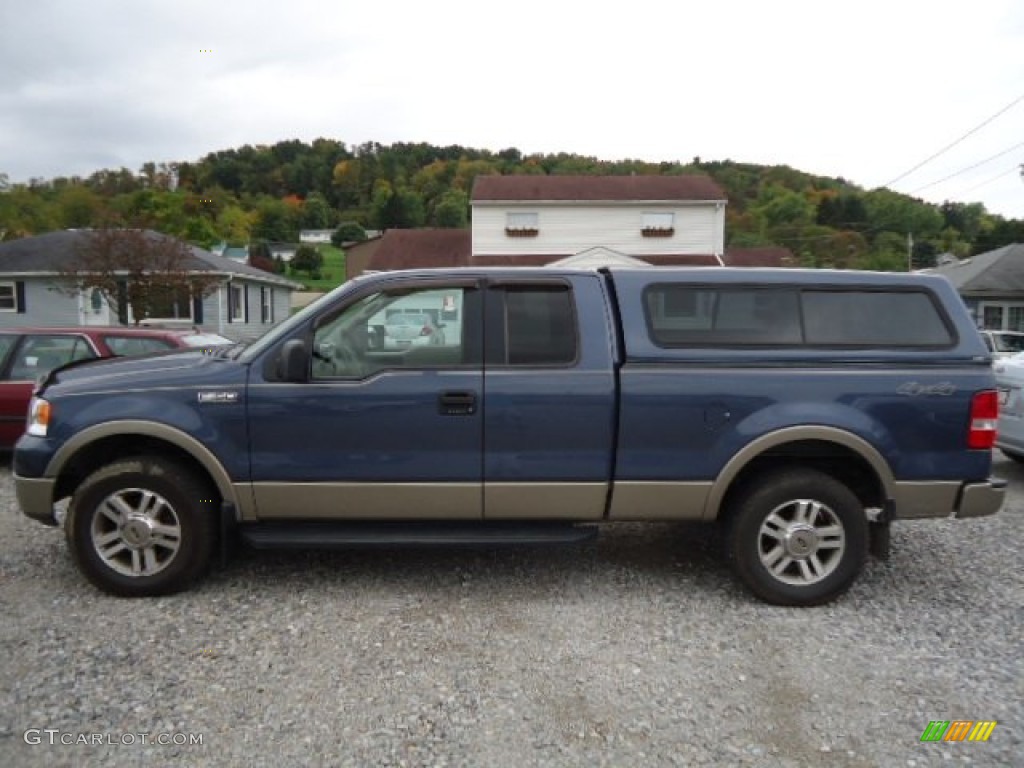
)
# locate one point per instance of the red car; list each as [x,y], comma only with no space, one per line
[28,353]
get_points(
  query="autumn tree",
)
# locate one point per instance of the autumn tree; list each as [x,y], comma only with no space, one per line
[145,271]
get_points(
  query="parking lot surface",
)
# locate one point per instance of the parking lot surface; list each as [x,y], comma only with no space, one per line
[639,650]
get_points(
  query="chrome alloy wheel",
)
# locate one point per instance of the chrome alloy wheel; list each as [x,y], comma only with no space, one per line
[136,532]
[801,542]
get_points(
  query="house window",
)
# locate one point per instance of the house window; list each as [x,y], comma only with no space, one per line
[267,304]
[661,224]
[236,303]
[1015,319]
[522,224]
[12,297]
[170,305]
[992,317]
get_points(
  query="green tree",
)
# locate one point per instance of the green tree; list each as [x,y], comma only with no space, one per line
[348,232]
[316,213]
[778,206]
[308,259]
[275,222]
[396,209]
[452,212]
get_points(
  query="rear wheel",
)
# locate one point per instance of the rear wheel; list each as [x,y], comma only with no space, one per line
[797,537]
[141,527]
[1018,457]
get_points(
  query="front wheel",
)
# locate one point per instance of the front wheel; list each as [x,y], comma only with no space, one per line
[141,527]
[797,537]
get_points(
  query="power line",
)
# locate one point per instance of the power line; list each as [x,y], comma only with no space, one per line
[948,147]
[1012,169]
[970,167]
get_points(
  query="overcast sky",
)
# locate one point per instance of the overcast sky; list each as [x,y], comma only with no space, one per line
[864,90]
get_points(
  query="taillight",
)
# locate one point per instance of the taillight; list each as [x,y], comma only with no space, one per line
[425,331]
[984,413]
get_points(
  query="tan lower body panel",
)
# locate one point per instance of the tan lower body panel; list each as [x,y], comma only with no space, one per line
[544,501]
[928,499]
[367,501]
[659,501]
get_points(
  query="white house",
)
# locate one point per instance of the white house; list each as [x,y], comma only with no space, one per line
[577,221]
[539,219]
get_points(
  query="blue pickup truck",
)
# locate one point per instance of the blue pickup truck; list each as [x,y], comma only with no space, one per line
[803,411]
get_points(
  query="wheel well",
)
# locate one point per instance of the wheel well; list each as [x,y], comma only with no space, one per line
[844,464]
[109,449]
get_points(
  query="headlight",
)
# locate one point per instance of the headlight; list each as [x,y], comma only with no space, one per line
[39,412]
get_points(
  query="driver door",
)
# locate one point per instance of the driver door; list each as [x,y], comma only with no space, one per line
[385,428]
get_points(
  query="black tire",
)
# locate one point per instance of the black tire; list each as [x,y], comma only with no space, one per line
[154,520]
[807,518]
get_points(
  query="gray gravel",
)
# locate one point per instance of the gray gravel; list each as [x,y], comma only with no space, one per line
[639,650]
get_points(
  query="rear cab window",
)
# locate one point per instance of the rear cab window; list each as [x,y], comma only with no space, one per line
[539,323]
[685,315]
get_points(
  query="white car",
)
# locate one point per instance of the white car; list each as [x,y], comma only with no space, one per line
[412,329]
[1009,373]
[1003,343]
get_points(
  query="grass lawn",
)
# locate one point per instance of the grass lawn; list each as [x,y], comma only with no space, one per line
[331,275]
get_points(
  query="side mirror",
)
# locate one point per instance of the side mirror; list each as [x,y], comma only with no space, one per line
[293,361]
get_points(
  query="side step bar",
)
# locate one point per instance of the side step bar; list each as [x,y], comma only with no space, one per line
[316,535]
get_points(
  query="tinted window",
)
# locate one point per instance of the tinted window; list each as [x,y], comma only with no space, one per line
[874,318]
[693,315]
[135,345]
[540,328]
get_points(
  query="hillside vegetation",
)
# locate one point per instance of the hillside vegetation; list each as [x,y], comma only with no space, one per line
[268,193]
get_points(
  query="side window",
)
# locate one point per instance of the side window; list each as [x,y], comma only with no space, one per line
[874,318]
[426,328]
[129,346]
[540,325]
[680,315]
[41,354]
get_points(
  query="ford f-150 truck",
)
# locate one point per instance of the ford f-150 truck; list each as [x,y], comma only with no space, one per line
[803,411]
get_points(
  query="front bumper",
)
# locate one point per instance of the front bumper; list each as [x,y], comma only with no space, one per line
[35,497]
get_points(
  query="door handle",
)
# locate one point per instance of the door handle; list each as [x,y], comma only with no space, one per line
[457,403]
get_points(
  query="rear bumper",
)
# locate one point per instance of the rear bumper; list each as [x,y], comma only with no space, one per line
[981,499]
[922,500]
[35,497]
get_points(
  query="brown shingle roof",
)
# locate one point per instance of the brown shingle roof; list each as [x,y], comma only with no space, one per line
[594,188]
[422,248]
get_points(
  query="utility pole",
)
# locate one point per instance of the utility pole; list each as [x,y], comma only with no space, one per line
[910,252]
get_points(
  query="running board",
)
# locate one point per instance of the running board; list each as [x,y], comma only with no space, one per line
[357,535]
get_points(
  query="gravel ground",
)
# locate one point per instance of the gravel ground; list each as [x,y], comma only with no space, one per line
[639,650]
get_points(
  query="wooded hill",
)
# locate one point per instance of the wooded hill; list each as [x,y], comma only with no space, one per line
[268,193]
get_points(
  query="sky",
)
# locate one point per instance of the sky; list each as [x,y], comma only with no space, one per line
[865,90]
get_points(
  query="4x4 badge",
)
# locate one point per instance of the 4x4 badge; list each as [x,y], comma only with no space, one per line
[913,389]
[218,397]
